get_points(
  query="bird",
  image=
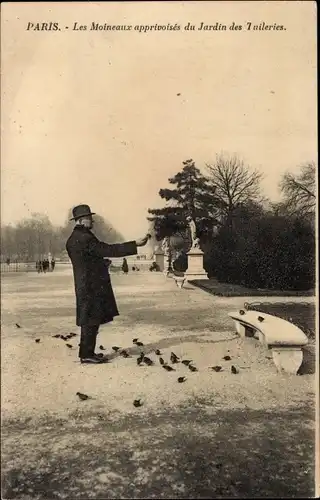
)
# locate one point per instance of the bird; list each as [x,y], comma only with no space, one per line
[260,318]
[227,358]
[57,336]
[242,312]
[17,325]
[125,354]
[234,370]
[115,348]
[100,355]
[161,360]
[192,368]
[216,368]
[140,344]
[147,361]
[174,358]
[140,359]
[102,348]
[73,334]
[186,362]
[63,337]
[179,93]
[135,341]
[168,368]
[82,396]
[137,403]
[69,345]
[158,353]
[181,379]
[37,341]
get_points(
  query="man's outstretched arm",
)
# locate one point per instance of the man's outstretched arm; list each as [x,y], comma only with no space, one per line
[96,247]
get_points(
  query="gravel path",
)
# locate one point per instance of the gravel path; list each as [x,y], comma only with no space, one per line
[40,380]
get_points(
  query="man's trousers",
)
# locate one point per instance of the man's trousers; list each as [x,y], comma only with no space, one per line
[88,341]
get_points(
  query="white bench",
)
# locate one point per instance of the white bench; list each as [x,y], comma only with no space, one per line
[283,338]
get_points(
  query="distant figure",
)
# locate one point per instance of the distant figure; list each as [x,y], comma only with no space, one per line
[44,265]
[8,262]
[125,268]
[53,264]
[133,268]
[154,267]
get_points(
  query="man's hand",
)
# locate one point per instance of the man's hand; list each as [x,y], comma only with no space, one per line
[142,241]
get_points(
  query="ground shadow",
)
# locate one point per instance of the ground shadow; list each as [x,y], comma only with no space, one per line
[308,366]
[165,343]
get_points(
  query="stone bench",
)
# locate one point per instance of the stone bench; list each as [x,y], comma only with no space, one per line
[283,338]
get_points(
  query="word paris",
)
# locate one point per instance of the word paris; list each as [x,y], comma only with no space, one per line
[143,28]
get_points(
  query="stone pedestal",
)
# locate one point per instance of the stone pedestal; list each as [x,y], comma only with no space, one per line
[167,269]
[195,269]
[287,359]
[159,259]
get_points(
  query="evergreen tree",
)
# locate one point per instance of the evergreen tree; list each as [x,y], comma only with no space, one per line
[191,195]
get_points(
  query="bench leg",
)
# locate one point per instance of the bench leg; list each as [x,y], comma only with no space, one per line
[243,331]
[287,359]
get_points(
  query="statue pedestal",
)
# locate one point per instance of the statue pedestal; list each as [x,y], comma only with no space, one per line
[195,269]
[159,259]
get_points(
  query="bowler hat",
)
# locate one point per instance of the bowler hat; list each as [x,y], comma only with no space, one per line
[81,211]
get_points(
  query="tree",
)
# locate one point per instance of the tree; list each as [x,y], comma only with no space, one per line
[191,195]
[235,184]
[8,246]
[102,228]
[33,237]
[299,192]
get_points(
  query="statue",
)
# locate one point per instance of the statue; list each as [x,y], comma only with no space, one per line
[165,245]
[193,230]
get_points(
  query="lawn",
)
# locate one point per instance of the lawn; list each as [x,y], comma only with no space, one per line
[231,290]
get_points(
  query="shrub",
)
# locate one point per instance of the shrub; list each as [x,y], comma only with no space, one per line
[270,251]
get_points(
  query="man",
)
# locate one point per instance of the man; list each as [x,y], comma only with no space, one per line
[95,301]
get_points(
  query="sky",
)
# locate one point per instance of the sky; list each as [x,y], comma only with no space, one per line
[94,116]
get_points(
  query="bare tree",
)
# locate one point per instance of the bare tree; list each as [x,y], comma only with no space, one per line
[299,191]
[235,183]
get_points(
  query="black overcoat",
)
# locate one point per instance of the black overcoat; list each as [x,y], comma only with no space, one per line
[95,301]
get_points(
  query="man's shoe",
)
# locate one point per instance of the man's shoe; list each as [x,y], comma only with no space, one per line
[92,360]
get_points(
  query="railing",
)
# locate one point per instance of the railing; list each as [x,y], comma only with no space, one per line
[142,265]
[18,267]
